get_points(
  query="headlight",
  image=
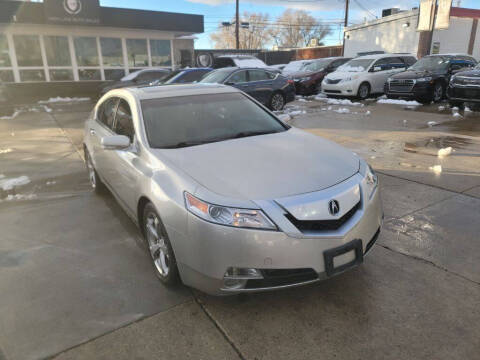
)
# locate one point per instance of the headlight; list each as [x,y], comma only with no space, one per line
[371,181]
[452,79]
[425,79]
[346,80]
[222,215]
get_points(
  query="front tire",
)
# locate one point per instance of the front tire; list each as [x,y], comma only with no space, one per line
[438,92]
[161,252]
[363,91]
[95,182]
[277,102]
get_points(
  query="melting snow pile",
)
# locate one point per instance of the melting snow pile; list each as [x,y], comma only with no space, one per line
[444,152]
[13,116]
[63,99]
[441,108]
[339,101]
[342,111]
[297,112]
[9,183]
[432,123]
[437,169]
[18,197]
[398,102]
[5,151]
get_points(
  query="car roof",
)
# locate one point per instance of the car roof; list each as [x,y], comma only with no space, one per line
[450,55]
[237,56]
[380,56]
[164,91]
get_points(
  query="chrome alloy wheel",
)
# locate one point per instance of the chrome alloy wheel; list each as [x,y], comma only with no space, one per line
[437,92]
[156,245]
[277,102]
[91,173]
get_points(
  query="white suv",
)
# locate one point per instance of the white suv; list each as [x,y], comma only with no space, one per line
[365,75]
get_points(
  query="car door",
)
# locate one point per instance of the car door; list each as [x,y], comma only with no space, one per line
[125,163]
[261,85]
[99,127]
[379,73]
[239,79]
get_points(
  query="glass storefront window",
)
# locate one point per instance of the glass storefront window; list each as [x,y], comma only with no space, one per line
[28,51]
[61,75]
[58,53]
[137,52]
[32,75]
[111,51]
[86,51]
[6,76]
[160,52]
[89,74]
[4,53]
[114,74]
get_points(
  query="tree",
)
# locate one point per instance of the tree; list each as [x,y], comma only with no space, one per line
[255,36]
[296,28]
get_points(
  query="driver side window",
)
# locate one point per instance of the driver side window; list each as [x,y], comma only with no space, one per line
[123,120]
[106,112]
[380,65]
[238,77]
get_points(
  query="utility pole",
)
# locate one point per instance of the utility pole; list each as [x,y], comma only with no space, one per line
[430,34]
[345,25]
[237,24]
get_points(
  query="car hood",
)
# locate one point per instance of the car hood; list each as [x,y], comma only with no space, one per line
[342,74]
[267,166]
[471,73]
[300,74]
[413,74]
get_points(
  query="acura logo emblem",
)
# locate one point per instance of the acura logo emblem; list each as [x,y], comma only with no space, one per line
[73,7]
[333,207]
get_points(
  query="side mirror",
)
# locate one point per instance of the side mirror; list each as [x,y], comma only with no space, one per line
[115,142]
[230,83]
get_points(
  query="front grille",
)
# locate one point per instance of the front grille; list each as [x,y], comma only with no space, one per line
[281,277]
[333,81]
[404,85]
[333,91]
[467,81]
[465,93]
[322,225]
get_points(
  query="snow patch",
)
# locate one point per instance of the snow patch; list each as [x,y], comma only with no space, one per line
[457,115]
[342,111]
[338,101]
[368,113]
[398,102]
[11,117]
[63,99]
[10,183]
[5,151]
[47,109]
[441,108]
[437,169]
[49,183]
[20,197]
[444,152]
[432,123]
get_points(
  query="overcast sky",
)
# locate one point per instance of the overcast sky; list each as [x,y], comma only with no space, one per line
[330,11]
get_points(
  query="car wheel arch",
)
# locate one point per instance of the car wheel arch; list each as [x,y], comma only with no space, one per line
[142,202]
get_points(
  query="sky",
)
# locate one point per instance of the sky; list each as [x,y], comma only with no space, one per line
[328,11]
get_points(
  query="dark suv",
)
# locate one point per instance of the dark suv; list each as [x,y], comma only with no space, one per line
[308,80]
[465,88]
[428,78]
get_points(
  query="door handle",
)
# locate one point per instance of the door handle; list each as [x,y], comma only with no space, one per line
[92,132]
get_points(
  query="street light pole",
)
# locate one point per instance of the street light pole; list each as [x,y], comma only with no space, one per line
[345,25]
[237,24]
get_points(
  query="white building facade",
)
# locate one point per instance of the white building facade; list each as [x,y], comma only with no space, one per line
[398,34]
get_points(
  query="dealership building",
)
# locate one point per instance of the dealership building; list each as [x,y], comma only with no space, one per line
[79,41]
[397,33]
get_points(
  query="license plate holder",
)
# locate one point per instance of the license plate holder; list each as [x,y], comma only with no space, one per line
[330,254]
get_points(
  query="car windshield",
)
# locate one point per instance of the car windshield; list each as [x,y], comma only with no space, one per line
[295,66]
[356,65]
[316,65]
[216,76]
[184,121]
[431,63]
[171,76]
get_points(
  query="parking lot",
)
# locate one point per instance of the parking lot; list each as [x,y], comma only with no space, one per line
[76,280]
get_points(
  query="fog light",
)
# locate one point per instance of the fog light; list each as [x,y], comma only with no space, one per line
[234,283]
[242,273]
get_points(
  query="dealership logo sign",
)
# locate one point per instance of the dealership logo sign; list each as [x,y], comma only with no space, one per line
[73,7]
[333,207]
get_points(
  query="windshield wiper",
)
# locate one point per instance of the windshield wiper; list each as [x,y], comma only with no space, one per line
[250,133]
[207,141]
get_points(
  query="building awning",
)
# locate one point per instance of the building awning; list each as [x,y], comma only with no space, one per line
[34,13]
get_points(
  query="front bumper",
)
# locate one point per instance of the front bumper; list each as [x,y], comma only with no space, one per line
[305,87]
[214,248]
[348,89]
[464,94]
[418,91]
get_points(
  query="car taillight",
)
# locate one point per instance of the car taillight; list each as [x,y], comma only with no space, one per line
[290,81]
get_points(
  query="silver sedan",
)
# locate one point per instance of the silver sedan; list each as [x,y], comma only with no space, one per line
[228,197]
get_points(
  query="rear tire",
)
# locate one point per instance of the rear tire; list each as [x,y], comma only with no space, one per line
[159,247]
[438,92]
[95,182]
[363,91]
[277,102]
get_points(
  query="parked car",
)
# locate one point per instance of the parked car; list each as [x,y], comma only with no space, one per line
[308,80]
[137,78]
[294,66]
[278,66]
[427,80]
[183,76]
[464,88]
[242,61]
[228,197]
[365,75]
[271,89]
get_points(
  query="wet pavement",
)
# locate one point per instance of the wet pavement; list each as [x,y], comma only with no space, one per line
[75,277]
